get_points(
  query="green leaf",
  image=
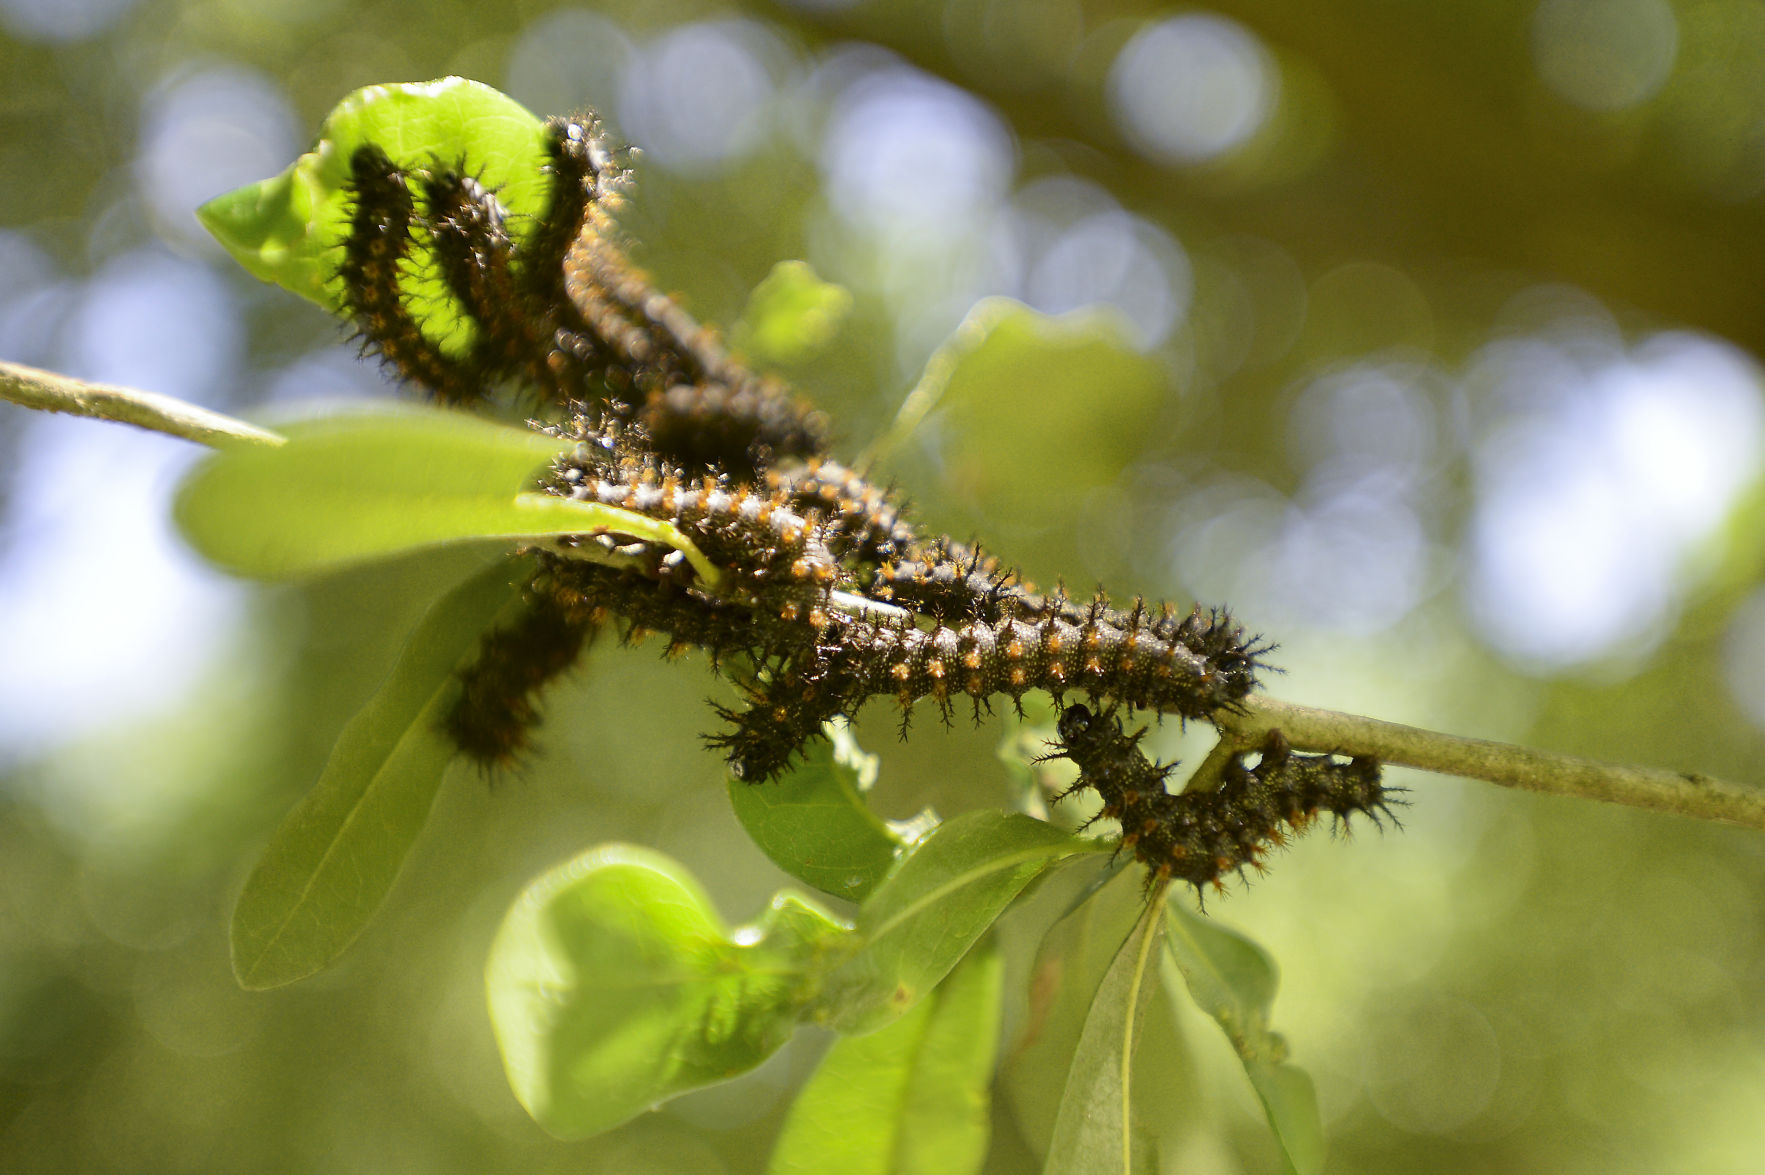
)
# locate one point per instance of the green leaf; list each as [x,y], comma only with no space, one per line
[791,316]
[371,483]
[1071,932]
[1018,394]
[941,898]
[1094,1133]
[329,866]
[1233,980]
[909,1099]
[289,229]
[614,986]
[814,823]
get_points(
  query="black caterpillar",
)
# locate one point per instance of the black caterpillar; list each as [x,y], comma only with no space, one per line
[1200,836]
[829,594]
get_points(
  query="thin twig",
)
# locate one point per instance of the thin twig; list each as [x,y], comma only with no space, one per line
[1685,793]
[1212,771]
[50,392]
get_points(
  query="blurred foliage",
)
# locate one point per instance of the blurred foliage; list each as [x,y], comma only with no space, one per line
[1434,197]
[328,869]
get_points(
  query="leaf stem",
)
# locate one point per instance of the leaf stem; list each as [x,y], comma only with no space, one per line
[52,392]
[1685,793]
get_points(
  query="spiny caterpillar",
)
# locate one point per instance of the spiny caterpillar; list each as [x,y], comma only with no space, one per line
[558,313]
[828,595]
[1200,836]
[1138,663]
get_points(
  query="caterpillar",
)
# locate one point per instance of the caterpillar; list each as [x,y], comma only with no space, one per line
[865,523]
[774,558]
[863,658]
[493,720]
[1200,836]
[376,257]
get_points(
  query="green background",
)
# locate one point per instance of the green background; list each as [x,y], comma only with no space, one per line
[1512,983]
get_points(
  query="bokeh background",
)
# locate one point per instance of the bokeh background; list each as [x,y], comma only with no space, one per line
[1424,336]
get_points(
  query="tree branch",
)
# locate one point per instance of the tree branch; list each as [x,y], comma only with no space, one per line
[51,392]
[1685,793]
[1306,729]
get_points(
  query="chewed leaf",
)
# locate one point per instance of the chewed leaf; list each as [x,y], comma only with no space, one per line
[331,863]
[614,986]
[355,487]
[288,229]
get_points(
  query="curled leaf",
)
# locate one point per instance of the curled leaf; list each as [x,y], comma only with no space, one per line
[614,986]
